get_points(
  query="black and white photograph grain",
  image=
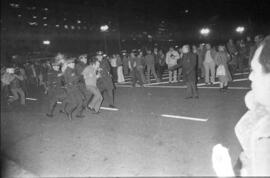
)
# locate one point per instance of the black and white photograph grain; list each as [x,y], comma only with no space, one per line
[135,88]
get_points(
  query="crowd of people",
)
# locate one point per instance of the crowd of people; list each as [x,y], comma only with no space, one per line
[80,82]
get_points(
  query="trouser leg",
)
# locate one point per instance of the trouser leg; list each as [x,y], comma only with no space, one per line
[194,89]
[15,95]
[97,98]
[170,76]
[213,71]
[206,70]
[179,73]
[189,90]
[140,70]
[148,73]
[175,76]
[153,71]
[22,95]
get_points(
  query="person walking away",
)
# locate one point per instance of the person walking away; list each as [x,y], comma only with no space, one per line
[172,57]
[150,65]
[223,73]
[119,63]
[139,60]
[209,65]
[16,88]
[90,78]
[189,72]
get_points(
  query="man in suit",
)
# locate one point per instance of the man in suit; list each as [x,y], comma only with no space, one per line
[189,72]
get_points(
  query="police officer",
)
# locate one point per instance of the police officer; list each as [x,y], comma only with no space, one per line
[74,98]
[56,90]
[104,83]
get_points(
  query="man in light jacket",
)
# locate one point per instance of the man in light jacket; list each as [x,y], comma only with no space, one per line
[172,57]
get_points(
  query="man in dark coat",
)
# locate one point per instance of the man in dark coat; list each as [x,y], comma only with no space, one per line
[105,83]
[79,67]
[75,98]
[56,90]
[189,72]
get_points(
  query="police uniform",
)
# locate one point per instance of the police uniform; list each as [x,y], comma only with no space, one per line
[104,83]
[74,99]
[56,91]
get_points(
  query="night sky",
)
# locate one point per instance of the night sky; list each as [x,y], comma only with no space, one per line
[135,20]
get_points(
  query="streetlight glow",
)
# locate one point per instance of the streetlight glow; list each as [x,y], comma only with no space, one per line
[46,42]
[104,28]
[240,29]
[205,31]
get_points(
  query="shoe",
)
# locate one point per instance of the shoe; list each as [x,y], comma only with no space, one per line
[49,115]
[95,112]
[80,116]
[91,109]
[112,106]
[189,97]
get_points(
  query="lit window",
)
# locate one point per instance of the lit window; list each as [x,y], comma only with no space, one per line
[46,9]
[34,17]
[19,15]
[78,21]
[57,26]
[44,18]
[72,27]
[66,26]
[45,25]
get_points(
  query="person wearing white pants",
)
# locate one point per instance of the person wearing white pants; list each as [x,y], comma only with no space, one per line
[120,75]
[171,60]
[209,65]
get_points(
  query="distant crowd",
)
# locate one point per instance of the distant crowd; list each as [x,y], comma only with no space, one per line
[188,63]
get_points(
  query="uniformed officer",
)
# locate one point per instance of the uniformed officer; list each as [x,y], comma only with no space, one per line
[56,90]
[104,83]
[74,98]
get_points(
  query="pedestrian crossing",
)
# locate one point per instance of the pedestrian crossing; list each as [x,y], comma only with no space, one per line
[164,83]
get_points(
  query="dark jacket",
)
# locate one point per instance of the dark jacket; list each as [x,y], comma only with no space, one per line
[189,67]
[105,80]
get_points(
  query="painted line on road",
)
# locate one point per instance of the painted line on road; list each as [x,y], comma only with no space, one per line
[202,87]
[110,109]
[184,118]
[32,99]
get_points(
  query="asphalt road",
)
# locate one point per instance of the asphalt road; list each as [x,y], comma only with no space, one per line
[133,141]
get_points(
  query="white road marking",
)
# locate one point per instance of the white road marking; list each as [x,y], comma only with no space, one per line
[242,79]
[202,87]
[110,109]
[241,73]
[184,118]
[33,99]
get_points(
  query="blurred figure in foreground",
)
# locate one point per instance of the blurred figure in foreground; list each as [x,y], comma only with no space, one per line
[252,130]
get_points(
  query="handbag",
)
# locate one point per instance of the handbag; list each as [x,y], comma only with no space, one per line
[221,70]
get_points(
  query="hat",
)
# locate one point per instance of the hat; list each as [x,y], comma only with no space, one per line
[99,52]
